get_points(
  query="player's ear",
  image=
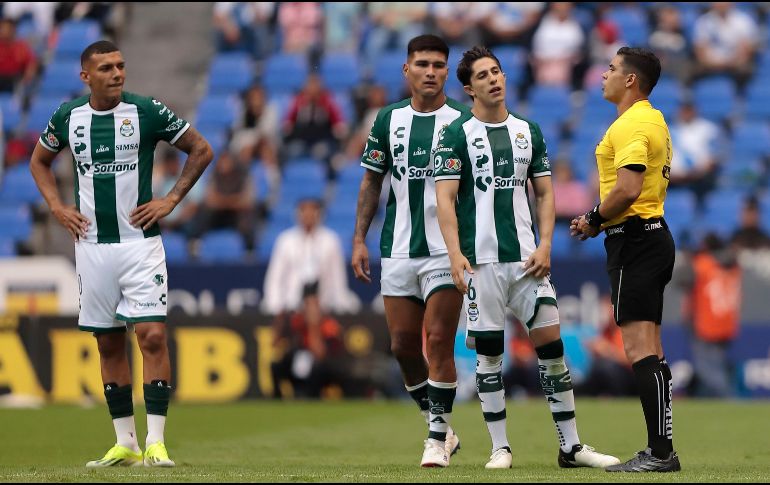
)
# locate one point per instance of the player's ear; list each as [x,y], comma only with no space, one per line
[405,68]
[469,91]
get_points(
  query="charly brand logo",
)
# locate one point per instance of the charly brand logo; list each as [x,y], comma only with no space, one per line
[126,129]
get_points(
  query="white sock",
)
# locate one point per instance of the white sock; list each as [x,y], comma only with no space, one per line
[557,387]
[156,424]
[489,384]
[125,431]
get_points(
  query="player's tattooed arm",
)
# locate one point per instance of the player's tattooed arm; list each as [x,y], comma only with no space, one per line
[368,201]
[199,155]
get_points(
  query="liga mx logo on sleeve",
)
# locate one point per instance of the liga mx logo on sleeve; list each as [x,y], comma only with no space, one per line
[52,140]
[452,165]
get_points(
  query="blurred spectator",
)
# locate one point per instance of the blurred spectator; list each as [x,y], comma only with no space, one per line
[301,24]
[725,41]
[557,47]
[695,162]
[603,44]
[229,200]
[111,16]
[2,147]
[17,61]
[163,180]
[508,23]
[713,308]
[669,43]
[314,125]
[42,14]
[256,134]
[610,373]
[750,234]
[522,376]
[376,98]
[343,22]
[307,270]
[244,26]
[571,195]
[459,23]
[393,24]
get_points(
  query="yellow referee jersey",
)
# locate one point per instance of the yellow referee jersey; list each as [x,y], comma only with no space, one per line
[638,137]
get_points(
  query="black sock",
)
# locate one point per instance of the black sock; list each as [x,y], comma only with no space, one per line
[156,397]
[420,396]
[653,386]
[119,400]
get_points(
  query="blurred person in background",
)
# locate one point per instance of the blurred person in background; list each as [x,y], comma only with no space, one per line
[18,65]
[343,26]
[43,17]
[695,161]
[557,48]
[229,201]
[511,23]
[669,43]
[314,125]
[750,235]
[120,260]
[301,25]
[392,25]
[603,43]
[571,195]
[459,23]
[725,41]
[244,26]
[256,132]
[376,98]
[713,308]
[165,175]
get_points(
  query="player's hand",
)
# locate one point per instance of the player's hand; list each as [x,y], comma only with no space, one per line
[539,263]
[460,265]
[148,214]
[73,221]
[360,262]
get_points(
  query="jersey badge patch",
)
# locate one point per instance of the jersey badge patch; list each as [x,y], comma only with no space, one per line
[52,140]
[127,129]
[521,141]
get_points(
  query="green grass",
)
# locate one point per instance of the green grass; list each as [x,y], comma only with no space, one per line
[266,441]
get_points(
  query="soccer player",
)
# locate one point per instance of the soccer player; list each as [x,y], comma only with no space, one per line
[483,162]
[119,255]
[416,282]
[634,161]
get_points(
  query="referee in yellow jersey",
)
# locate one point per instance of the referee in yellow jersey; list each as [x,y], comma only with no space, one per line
[634,159]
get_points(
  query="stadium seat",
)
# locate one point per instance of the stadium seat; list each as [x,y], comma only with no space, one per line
[597,111]
[340,71]
[667,96]
[752,137]
[40,112]
[74,37]
[512,61]
[11,112]
[387,72]
[260,180]
[267,239]
[222,246]
[18,186]
[549,104]
[175,246]
[15,222]
[561,245]
[632,24]
[62,78]
[230,73]
[218,110]
[721,211]
[758,100]
[715,97]
[215,134]
[285,73]
[7,248]
[304,171]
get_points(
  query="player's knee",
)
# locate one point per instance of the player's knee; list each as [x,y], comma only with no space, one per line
[111,346]
[406,347]
[439,341]
[153,341]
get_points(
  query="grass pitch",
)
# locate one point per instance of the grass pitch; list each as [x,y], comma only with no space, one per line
[362,441]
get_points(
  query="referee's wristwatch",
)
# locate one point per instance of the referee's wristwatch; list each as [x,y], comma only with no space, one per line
[594,218]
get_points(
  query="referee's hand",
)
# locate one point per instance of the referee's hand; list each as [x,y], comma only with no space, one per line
[579,228]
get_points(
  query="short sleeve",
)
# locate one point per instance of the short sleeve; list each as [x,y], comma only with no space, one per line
[447,164]
[165,124]
[54,137]
[631,146]
[377,155]
[540,166]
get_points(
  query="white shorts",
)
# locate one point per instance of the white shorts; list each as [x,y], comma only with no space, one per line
[494,286]
[416,277]
[121,283]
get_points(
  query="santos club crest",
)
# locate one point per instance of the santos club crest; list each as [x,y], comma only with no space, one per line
[127,129]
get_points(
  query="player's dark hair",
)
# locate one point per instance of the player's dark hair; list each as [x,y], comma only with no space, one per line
[98,47]
[427,42]
[464,70]
[644,63]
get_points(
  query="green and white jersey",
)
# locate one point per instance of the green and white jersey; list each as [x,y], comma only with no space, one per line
[493,161]
[401,142]
[113,155]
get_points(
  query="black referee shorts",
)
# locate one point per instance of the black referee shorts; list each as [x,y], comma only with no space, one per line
[640,262]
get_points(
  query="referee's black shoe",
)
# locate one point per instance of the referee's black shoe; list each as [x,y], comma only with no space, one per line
[644,461]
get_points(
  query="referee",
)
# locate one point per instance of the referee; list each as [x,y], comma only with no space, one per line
[634,159]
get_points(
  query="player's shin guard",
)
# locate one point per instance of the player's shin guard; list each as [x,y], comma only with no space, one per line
[156,398]
[654,386]
[121,408]
[441,396]
[489,384]
[557,387]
